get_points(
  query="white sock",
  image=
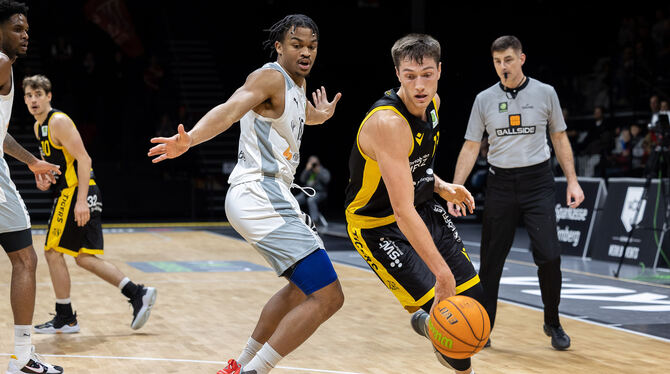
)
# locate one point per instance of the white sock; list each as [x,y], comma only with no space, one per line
[264,361]
[22,343]
[249,352]
[63,301]
[123,283]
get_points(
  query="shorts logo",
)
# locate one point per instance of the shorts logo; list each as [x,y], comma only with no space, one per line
[502,107]
[392,251]
[361,248]
[447,221]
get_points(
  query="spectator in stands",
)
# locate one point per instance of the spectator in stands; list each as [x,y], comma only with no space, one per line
[640,150]
[594,146]
[654,104]
[621,154]
[664,107]
[316,177]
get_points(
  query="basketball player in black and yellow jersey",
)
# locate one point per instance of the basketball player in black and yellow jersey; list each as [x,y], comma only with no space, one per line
[393,220]
[74,227]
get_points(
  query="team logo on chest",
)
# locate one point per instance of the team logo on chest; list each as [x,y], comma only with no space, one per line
[515,127]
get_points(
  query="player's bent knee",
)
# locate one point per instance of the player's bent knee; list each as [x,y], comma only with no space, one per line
[83,260]
[313,272]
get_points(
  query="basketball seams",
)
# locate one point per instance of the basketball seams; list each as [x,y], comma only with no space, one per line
[472,330]
[436,321]
[442,328]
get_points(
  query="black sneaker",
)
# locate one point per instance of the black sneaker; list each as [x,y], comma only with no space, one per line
[418,322]
[59,325]
[559,339]
[142,303]
[488,343]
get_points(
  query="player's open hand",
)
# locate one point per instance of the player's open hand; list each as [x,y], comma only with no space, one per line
[322,109]
[459,196]
[82,213]
[171,147]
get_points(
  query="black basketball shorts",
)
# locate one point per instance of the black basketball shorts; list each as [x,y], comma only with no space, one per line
[388,252]
[64,235]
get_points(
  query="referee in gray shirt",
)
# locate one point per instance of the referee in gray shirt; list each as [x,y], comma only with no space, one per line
[516,113]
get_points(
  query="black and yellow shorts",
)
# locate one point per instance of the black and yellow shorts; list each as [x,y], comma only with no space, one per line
[64,235]
[388,252]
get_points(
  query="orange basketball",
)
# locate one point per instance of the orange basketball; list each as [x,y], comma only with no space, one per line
[459,327]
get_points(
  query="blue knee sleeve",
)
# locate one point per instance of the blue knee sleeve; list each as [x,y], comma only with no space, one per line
[313,272]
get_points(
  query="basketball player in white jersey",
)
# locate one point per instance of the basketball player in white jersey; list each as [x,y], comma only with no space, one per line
[15,236]
[273,110]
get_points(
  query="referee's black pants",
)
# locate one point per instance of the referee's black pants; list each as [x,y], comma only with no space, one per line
[527,192]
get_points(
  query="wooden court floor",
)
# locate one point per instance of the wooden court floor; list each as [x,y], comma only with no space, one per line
[202,319]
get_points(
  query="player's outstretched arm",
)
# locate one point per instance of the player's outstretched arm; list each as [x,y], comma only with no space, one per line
[37,166]
[261,86]
[322,109]
[387,139]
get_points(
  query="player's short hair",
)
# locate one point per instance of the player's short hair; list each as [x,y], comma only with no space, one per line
[278,30]
[36,82]
[8,8]
[504,42]
[416,47]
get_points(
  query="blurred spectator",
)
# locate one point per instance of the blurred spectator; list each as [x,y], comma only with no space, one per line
[654,104]
[316,177]
[664,107]
[594,145]
[640,149]
[621,154]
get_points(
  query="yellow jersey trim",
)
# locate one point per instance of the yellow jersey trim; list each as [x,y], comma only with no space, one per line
[371,178]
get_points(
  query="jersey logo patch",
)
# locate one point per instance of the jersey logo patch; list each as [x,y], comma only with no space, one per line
[419,138]
[433,117]
[502,107]
[515,127]
[288,154]
[45,130]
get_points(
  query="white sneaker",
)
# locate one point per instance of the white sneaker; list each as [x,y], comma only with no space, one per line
[35,365]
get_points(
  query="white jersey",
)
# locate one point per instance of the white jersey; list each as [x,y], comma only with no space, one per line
[269,147]
[13,212]
[6,102]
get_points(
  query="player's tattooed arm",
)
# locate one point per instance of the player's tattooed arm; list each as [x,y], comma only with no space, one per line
[37,166]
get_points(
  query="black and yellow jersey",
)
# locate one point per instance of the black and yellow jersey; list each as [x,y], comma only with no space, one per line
[58,155]
[367,201]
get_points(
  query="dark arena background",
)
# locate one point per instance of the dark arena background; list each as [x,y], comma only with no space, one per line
[129,70]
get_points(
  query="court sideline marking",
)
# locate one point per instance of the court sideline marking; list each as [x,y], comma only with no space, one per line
[183,360]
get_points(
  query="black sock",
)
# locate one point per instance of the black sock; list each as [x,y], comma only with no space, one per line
[130,289]
[64,310]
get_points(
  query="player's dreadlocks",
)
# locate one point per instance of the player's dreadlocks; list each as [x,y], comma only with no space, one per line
[289,23]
